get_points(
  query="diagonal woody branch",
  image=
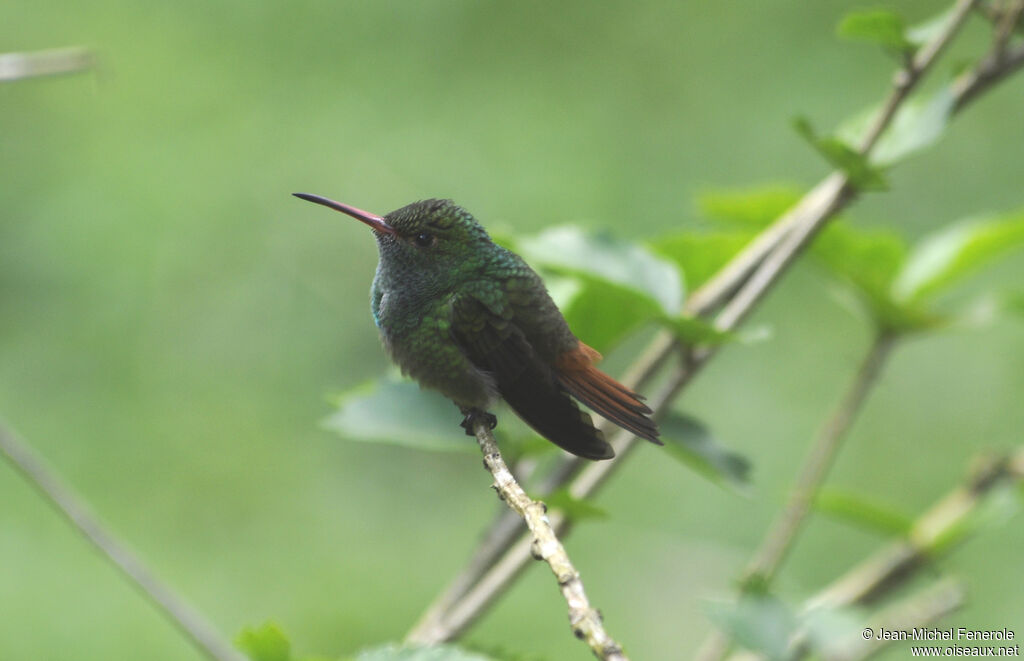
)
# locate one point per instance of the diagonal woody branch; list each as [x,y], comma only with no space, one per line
[583,618]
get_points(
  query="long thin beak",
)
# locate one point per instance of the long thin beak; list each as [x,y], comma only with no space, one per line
[374,221]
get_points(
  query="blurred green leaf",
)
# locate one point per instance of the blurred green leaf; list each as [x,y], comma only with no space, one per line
[999,505]
[1014,302]
[603,313]
[868,258]
[918,124]
[571,250]
[879,26]
[265,643]
[829,629]
[861,173]
[758,622]
[574,508]
[862,512]
[393,652]
[701,255]
[690,441]
[748,208]
[947,256]
[399,412]
[869,261]
[694,331]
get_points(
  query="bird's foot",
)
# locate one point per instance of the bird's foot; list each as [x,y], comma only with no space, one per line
[472,415]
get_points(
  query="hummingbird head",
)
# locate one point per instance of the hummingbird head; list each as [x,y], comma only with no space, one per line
[431,241]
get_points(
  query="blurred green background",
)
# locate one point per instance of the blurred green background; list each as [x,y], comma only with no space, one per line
[171,320]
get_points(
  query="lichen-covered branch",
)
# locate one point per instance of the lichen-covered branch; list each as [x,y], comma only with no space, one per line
[584,619]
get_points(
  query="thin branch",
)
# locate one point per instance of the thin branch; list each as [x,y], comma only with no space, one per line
[907,78]
[780,537]
[932,536]
[1005,27]
[783,533]
[996,16]
[19,66]
[507,528]
[993,70]
[189,621]
[926,607]
[583,618]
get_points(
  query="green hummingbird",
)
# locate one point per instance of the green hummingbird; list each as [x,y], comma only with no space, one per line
[464,316]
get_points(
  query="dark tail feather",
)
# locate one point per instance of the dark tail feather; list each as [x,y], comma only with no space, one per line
[604,394]
[536,395]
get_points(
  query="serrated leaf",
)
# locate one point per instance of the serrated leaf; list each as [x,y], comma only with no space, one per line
[700,255]
[917,125]
[264,643]
[758,622]
[600,256]
[690,441]
[401,413]
[603,313]
[393,652]
[574,508]
[861,173]
[947,256]
[862,512]
[879,26]
[749,208]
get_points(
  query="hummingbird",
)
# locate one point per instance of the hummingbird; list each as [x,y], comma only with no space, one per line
[469,318]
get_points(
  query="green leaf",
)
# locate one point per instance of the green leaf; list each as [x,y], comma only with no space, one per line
[828,629]
[861,173]
[748,208]
[917,125]
[265,643]
[862,512]
[393,652]
[947,256]
[600,256]
[1000,504]
[689,441]
[574,508]
[758,622]
[603,313]
[399,412]
[878,26]
[694,331]
[1014,302]
[700,255]
[868,262]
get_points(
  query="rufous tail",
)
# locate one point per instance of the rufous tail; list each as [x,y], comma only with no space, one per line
[603,394]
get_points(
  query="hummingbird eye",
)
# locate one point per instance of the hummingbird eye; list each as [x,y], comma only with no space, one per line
[424,239]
